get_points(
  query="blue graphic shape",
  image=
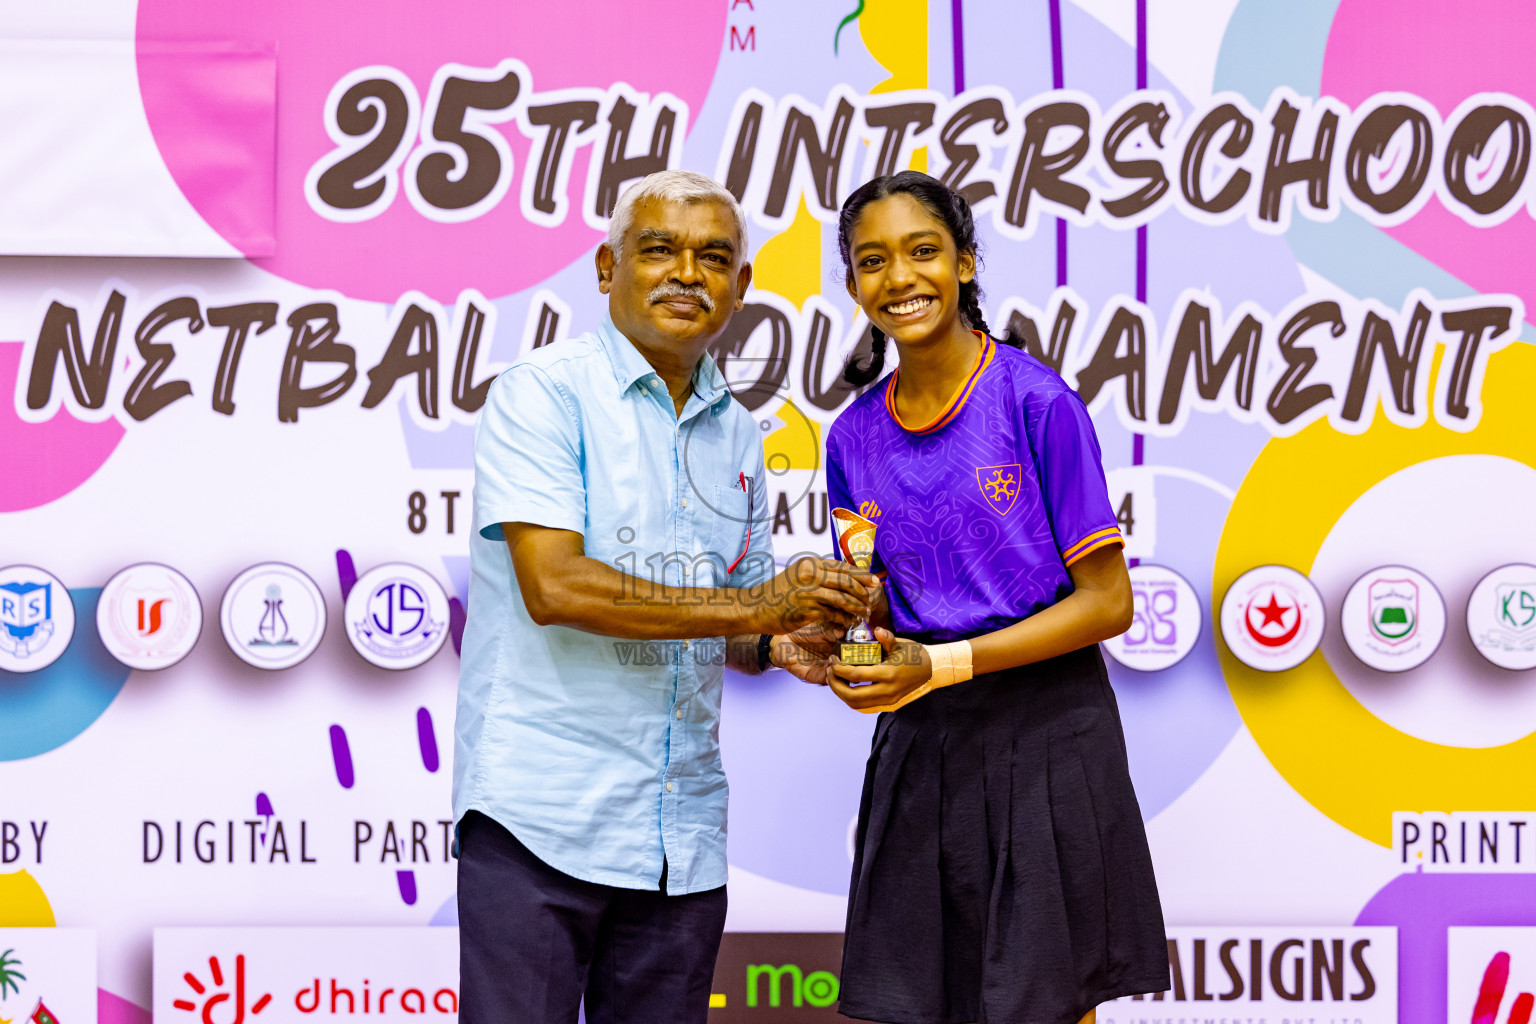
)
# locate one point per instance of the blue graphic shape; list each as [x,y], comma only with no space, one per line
[43,710]
[447,915]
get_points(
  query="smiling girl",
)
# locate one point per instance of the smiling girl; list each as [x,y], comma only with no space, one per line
[1001,872]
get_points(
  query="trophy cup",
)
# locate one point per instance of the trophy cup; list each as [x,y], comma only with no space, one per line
[856,541]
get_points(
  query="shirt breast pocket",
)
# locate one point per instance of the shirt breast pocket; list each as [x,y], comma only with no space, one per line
[729,531]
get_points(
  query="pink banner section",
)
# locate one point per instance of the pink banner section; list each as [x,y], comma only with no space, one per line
[213,109]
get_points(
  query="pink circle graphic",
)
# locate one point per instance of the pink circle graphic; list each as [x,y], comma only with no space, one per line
[563,45]
[45,461]
[1444,53]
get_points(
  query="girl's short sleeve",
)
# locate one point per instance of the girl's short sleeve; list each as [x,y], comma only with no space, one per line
[1071,471]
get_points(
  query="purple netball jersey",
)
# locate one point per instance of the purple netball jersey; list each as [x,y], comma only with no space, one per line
[979,512]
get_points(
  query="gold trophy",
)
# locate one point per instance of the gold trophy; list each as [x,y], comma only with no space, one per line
[856,541]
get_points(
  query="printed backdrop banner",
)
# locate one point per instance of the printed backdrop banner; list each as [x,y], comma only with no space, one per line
[1282,251]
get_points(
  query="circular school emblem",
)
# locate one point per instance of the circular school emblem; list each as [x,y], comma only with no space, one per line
[1501,616]
[1272,618]
[149,616]
[272,616]
[1166,622]
[37,618]
[397,616]
[1393,618]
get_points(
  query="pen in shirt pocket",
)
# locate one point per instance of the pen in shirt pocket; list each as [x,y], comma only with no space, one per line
[745,482]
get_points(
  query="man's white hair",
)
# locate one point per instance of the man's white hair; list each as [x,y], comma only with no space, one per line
[676,187]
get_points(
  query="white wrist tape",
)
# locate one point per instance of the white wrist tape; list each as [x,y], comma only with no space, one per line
[951,664]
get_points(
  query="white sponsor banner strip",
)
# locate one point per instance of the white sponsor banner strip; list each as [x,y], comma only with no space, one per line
[1233,972]
[302,974]
[48,974]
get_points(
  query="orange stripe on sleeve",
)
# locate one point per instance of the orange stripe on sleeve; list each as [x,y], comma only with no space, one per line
[1114,538]
[1092,537]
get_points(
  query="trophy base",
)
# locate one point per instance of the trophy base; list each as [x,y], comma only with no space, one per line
[861,654]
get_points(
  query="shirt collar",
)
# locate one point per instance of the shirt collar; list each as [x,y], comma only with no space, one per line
[630,367]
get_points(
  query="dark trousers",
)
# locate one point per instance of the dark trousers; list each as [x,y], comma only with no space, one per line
[533,941]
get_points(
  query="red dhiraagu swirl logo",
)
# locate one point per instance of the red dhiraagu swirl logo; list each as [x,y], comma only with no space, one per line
[207,990]
[1272,618]
[149,616]
[254,975]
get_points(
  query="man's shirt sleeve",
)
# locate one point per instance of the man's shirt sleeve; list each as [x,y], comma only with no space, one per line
[528,456]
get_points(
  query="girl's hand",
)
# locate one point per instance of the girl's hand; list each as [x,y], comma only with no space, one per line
[906,668]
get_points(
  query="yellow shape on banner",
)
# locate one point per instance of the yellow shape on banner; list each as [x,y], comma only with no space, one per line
[789,263]
[795,445]
[895,33]
[1335,753]
[23,903]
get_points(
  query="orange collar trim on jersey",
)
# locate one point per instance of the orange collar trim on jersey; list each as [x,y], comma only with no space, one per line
[956,403]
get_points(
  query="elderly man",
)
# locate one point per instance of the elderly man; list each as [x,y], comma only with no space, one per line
[620,555]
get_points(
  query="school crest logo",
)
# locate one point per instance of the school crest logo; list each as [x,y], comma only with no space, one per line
[1272,618]
[272,616]
[397,616]
[1000,486]
[1393,618]
[149,616]
[37,618]
[1394,610]
[1501,617]
[1165,624]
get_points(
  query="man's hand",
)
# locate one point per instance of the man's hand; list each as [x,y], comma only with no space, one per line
[804,653]
[813,591]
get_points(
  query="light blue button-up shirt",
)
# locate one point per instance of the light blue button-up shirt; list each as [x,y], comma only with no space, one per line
[602,756]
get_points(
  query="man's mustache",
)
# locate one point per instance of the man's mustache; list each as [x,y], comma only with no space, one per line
[672,290]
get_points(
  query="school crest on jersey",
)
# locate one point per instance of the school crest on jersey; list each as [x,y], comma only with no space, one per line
[1000,485]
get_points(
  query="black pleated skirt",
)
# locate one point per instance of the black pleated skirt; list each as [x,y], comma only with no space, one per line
[1001,872]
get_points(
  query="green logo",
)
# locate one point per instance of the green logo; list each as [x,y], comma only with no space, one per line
[819,988]
[9,973]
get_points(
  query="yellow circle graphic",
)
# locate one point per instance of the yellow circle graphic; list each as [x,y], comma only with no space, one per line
[1336,754]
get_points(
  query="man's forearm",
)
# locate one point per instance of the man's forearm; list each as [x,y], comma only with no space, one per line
[741,653]
[596,598]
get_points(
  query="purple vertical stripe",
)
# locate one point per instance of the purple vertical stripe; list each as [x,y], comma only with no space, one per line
[346,572]
[1141,264]
[457,616]
[1141,44]
[1138,442]
[1061,253]
[427,739]
[406,880]
[1058,73]
[1058,79]
[957,38]
[341,753]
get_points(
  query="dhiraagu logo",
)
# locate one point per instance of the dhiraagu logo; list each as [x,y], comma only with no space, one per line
[788,984]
